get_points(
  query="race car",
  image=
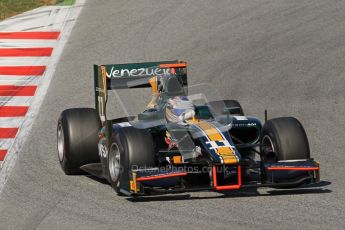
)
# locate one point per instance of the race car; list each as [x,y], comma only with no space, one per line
[181,142]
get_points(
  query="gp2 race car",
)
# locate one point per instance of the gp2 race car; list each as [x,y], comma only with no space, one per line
[217,148]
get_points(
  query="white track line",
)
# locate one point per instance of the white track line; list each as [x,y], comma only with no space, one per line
[20,61]
[16,24]
[23,43]
[32,20]
[11,122]
[15,101]
[20,82]
[6,143]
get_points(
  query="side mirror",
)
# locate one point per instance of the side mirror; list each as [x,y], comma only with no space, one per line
[232,110]
[151,114]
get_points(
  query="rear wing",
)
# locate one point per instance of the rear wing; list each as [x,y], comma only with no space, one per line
[131,75]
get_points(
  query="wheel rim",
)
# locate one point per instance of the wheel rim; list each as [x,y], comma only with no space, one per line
[268,148]
[114,162]
[61,143]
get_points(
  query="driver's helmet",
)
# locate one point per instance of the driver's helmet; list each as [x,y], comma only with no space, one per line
[179,108]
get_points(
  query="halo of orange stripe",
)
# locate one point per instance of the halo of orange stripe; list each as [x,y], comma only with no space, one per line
[213,134]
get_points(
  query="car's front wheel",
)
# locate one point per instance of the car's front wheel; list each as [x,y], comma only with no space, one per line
[130,148]
[284,139]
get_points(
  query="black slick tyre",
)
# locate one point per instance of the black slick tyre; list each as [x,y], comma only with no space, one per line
[284,138]
[130,148]
[77,139]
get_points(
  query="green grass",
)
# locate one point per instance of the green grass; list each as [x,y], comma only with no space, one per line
[10,8]
[65,2]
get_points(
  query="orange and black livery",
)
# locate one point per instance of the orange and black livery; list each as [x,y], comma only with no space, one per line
[217,147]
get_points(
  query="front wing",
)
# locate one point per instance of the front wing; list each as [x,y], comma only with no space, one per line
[222,178]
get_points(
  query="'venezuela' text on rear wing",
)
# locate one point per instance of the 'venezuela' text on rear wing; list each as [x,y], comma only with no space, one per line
[131,75]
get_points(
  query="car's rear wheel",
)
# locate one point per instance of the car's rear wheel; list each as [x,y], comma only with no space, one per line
[130,148]
[77,139]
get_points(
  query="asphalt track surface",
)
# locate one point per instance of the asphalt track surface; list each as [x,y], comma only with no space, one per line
[284,56]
